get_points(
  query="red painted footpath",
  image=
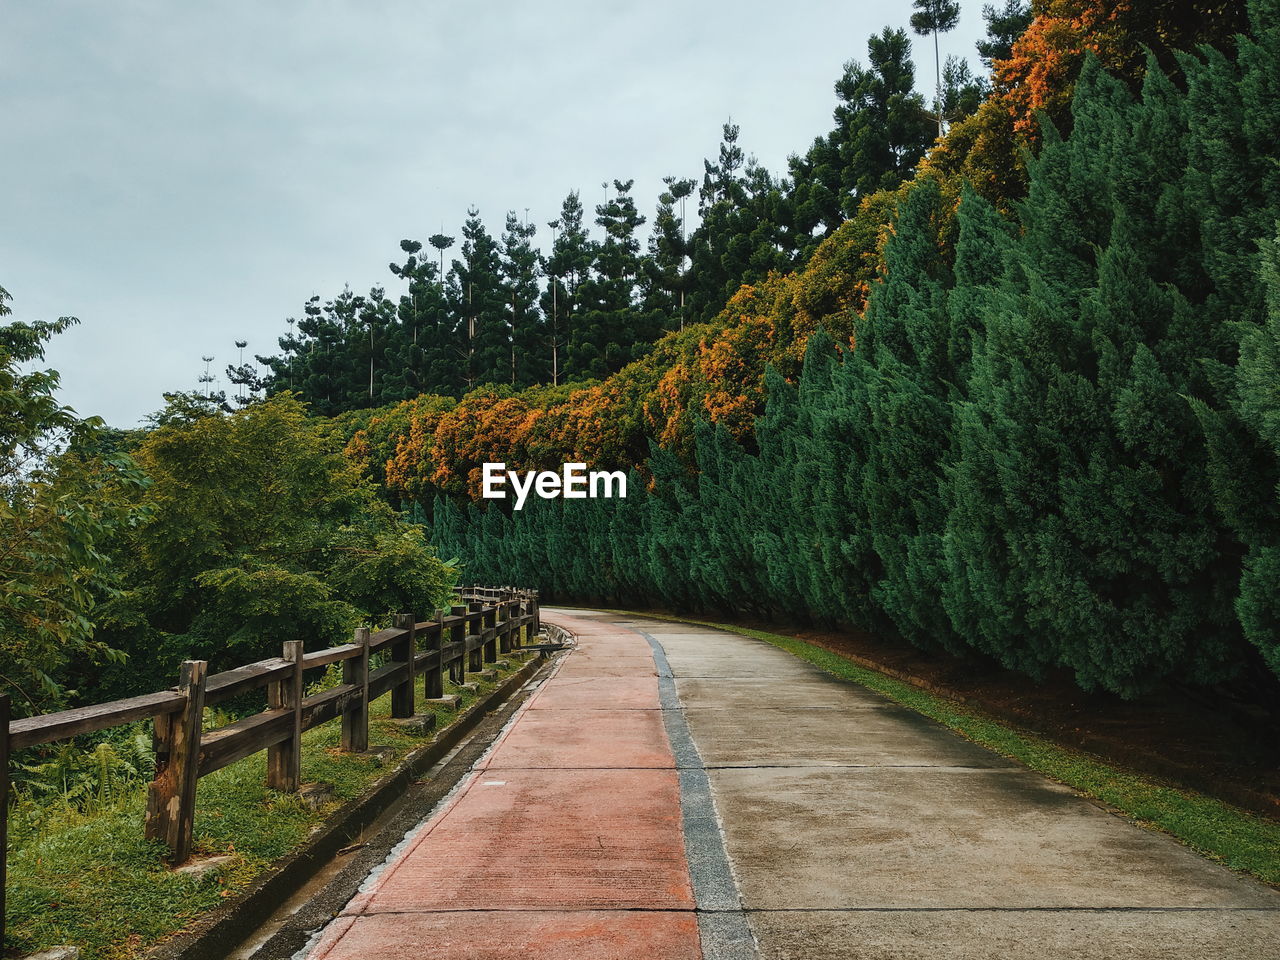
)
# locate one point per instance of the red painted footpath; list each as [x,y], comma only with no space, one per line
[565,842]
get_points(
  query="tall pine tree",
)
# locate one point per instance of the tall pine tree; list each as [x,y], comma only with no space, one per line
[478,302]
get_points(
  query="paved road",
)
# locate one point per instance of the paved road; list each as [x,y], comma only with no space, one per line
[677,792]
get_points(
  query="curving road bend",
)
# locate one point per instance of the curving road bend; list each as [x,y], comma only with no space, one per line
[673,791]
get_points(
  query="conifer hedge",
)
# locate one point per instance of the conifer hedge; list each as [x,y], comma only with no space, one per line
[1057,441]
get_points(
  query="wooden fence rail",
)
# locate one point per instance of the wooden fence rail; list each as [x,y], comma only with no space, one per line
[471,634]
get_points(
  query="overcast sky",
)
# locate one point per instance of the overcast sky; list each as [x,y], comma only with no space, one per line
[179,176]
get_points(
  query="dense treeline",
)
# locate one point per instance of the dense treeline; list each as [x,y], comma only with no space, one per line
[509,313]
[717,368]
[1055,442]
[506,313]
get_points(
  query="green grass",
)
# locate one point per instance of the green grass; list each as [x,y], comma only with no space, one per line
[92,880]
[1237,838]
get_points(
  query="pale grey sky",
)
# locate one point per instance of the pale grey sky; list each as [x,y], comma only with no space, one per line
[180,176]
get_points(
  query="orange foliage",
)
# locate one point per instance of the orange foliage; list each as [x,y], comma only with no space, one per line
[716,370]
[987,149]
[1041,73]
[377,443]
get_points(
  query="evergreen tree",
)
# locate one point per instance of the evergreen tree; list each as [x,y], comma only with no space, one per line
[666,267]
[322,355]
[245,377]
[740,238]
[1233,183]
[567,268]
[729,573]
[673,545]
[906,337]
[1257,518]
[520,270]
[609,332]
[882,130]
[477,299]
[423,359]
[1076,442]
[935,17]
[962,92]
[382,335]
[1004,25]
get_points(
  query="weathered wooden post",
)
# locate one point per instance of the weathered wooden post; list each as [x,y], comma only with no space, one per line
[433,680]
[284,759]
[171,797]
[4,806]
[517,635]
[474,662]
[505,609]
[403,651]
[355,715]
[490,622]
[458,634]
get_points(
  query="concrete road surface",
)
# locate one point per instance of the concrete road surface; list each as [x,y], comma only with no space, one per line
[679,792]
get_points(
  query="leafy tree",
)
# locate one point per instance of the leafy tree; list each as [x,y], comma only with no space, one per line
[62,497]
[257,530]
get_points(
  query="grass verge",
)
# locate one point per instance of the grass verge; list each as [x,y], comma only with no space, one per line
[1237,838]
[92,881]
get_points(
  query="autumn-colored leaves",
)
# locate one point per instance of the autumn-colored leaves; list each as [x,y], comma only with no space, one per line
[433,445]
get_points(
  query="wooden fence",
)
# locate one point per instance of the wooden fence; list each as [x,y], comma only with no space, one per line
[487,622]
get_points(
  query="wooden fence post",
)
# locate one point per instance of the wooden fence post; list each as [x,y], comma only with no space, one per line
[517,610]
[458,634]
[505,609]
[433,680]
[284,759]
[355,716]
[491,623]
[4,806]
[171,798]
[404,651]
[474,658]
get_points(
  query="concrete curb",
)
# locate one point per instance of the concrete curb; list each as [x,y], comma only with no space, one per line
[722,923]
[212,936]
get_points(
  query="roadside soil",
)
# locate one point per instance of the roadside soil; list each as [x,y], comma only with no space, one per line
[1173,735]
